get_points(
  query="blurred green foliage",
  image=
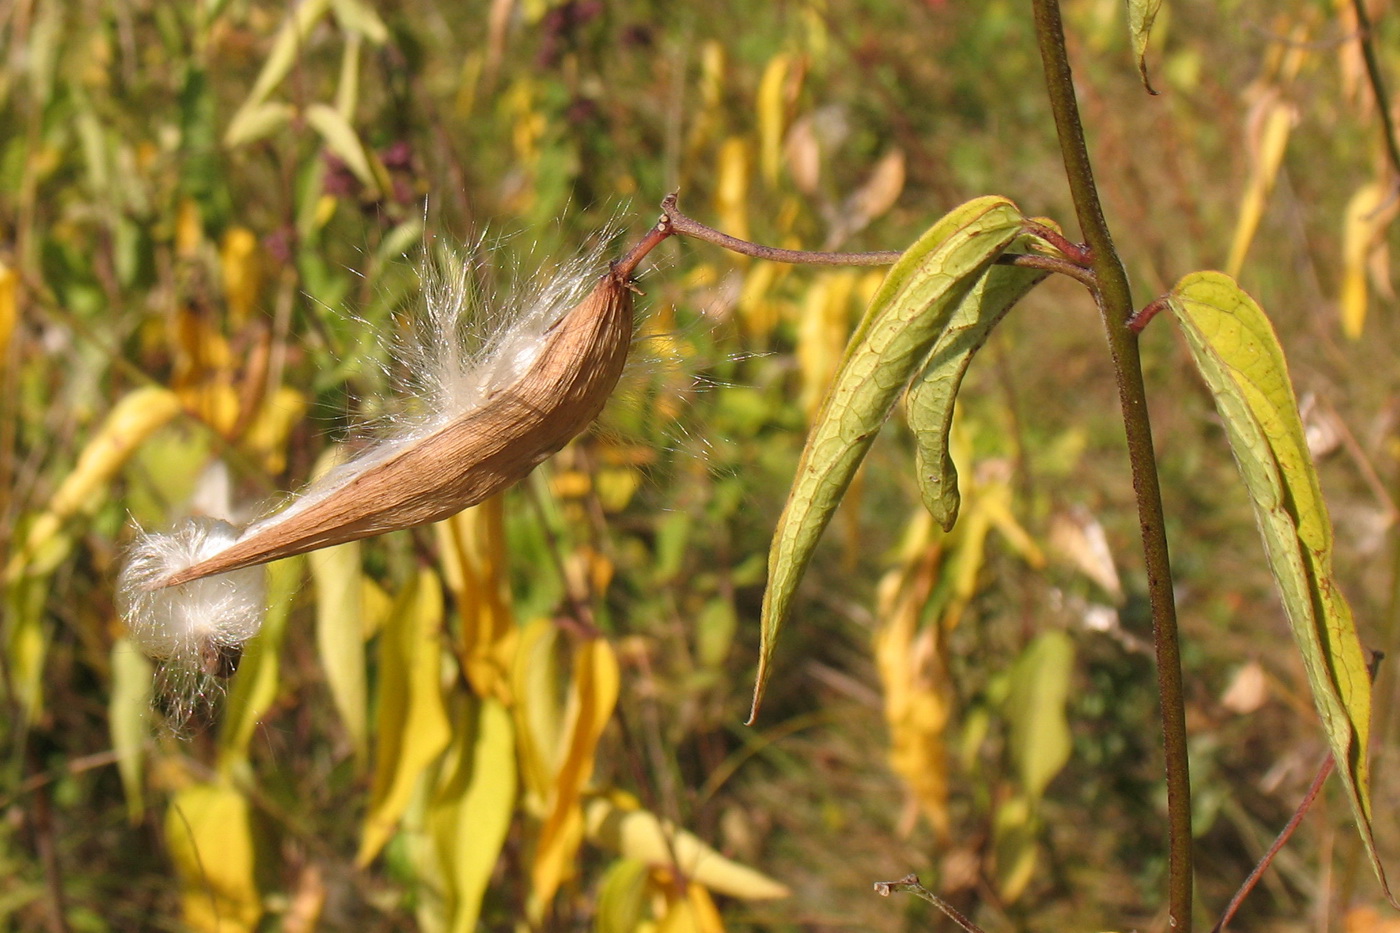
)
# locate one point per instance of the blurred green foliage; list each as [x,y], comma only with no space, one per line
[224,201]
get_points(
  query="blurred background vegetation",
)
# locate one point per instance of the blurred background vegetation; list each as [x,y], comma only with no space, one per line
[529,717]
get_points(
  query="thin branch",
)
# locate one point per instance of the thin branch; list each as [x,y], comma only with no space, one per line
[1283,837]
[1116,306]
[687,226]
[1373,74]
[1081,275]
[910,884]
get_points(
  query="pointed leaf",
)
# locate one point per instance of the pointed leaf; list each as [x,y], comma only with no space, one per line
[639,834]
[471,810]
[209,829]
[255,685]
[1239,357]
[909,312]
[129,718]
[929,403]
[1141,15]
[412,725]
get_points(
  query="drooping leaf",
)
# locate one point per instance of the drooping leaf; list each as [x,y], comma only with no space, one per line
[929,403]
[1238,355]
[622,827]
[129,719]
[1369,215]
[1271,121]
[473,547]
[592,697]
[912,308]
[1141,15]
[255,686]
[139,414]
[1040,739]
[209,829]
[412,726]
[472,807]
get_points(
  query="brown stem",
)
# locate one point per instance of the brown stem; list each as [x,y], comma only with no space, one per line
[1283,837]
[686,226]
[1116,306]
[1373,74]
[1081,275]
[910,883]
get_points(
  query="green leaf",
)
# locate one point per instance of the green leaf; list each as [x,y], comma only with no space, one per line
[287,47]
[1239,357]
[1040,739]
[912,308]
[129,719]
[929,403]
[1141,15]
[471,810]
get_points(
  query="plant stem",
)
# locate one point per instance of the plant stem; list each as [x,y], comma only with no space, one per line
[1373,74]
[687,226]
[1116,306]
[911,884]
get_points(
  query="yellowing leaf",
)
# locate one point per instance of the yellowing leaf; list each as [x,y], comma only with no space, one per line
[342,140]
[1239,358]
[732,187]
[822,331]
[255,686]
[129,719]
[1141,15]
[1015,834]
[694,912]
[592,696]
[929,403]
[1271,121]
[1040,740]
[920,294]
[241,267]
[209,829]
[912,665]
[642,836]
[473,545]
[472,807]
[286,47]
[622,897]
[538,711]
[772,116]
[9,306]
[1369,214]
[133,419]
[412,727]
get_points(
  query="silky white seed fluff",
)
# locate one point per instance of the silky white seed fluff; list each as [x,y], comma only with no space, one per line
[462,348]
[182,624]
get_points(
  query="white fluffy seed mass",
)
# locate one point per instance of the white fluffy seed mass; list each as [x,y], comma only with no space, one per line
[184,624]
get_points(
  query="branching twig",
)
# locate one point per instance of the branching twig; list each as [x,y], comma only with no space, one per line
[910,883]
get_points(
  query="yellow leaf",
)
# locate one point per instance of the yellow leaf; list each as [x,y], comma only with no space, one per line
[471,810]
[772,116]
[1271,121]
[538,711]
[255,685]
[692,913]
[9,306]
[913,672]
[617,824]
[823,328]
[130,422]
[412,726]
[592,696]
[473,545]
[241,266]
[1369,214]
[209,829]
[266,435]
[732,187]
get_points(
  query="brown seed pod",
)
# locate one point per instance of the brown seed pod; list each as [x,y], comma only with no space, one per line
[470,457]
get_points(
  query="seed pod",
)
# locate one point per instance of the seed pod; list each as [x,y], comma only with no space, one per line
[467,459]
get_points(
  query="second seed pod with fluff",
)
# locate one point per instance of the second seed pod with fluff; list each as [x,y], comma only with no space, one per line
[490,414]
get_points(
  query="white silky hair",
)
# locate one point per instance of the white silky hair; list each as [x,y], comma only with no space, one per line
[461,348]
